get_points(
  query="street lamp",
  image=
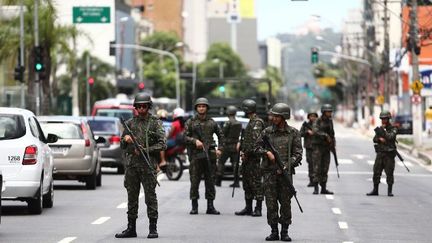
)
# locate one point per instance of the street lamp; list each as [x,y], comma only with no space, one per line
[221,71]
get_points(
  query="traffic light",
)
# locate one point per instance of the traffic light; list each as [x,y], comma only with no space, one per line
[39,65]
[112,51]
[19,74]
[91,81]
[221,88]
[314,55]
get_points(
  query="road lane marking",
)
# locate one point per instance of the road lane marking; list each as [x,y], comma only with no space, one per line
[402,174]
[336,211]
[330,197]
[122,205]
[346,161]
[348,242]
[359,156]
[101,220]
[371,162]
[141,194]
[67,240]
[407,163]
[343,225]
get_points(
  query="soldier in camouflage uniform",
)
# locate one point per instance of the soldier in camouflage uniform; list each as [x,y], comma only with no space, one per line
[385,148]
[231,130]
[151,137]
[322,141]
[199,132]
[251,171]
[306,132]
[287,141]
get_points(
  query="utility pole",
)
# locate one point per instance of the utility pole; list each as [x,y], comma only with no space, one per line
[416,106]
[75,107]
[36,43]
[386,62]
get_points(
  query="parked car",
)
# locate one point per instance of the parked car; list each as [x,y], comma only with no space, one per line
[111,129]
[403,124]
[76,152]
[26,160]
[114,108]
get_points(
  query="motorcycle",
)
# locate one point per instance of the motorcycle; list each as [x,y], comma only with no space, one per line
[176,159]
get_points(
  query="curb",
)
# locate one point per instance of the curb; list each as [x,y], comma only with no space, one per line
[421,155]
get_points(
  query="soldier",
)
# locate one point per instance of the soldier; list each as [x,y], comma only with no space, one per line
[306,132]
[199,132]
[322,140]
[151,137]
[385,148]
[287,141]
[231,130]
[251,172]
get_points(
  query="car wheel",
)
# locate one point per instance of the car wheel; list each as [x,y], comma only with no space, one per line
[35,204]
[120,169]
[48,199]
[174,169]
[99,178]
[91,181]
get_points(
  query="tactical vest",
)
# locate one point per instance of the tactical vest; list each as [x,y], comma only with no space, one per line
[249,138]
[232,129]
[388,146]
[324,126]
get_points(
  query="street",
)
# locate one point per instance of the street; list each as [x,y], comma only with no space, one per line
[81,215]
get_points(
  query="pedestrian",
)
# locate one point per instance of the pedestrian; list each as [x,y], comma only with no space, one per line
[150,136]
[250,168]
[287,140]
[322,142]
[385,148]
[231,131]
[199,132]
[306,132]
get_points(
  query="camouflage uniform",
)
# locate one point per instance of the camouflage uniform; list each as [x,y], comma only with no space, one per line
[151,136]
[288,143]
[198,162]
[231,130]
[323,131]
[307,144]
[251,172]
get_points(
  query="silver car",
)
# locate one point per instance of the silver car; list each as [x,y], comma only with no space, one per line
[76,152]
[111,129]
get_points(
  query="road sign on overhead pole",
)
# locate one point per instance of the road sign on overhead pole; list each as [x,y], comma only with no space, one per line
[91,15]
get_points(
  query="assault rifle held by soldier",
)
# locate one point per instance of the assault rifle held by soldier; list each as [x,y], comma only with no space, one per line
[281,167]
[380,132]
[236,165]
[205,148]
[138,148]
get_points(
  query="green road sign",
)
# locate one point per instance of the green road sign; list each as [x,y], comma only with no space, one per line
[93,15]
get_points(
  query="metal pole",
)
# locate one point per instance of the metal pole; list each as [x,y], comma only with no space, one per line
[88,85]
[386,54]
[36,42]
[75,107]
[21,64]
[234,36]
[194,70]
[416,108]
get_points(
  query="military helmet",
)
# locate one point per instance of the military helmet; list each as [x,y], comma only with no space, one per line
[202,101]
[281,109]
[249,106]
[326,107]
[312,113]
[231,110]
[385,114]
[142,98]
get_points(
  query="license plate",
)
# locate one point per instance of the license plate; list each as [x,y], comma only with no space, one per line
[59,150]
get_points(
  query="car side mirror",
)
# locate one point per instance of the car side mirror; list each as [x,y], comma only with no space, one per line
[52,138]
[99,139]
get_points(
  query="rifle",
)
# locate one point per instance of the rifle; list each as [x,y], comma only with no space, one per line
[333,151]
[236,166]
[138,147]
[205,148]
[281,166]
[380,132]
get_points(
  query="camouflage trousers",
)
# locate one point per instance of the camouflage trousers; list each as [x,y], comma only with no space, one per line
[252,178]
[198,168]
[309,161]
[232,155]
[134,177]
[386,162]
[321,160]
[276,193]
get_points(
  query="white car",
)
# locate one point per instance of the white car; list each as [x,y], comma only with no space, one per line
[26,160]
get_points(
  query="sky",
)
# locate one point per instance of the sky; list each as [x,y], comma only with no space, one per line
[287,16]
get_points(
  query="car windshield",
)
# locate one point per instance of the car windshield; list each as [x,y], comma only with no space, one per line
[62,130]
[11,126]
[126,113]
[102,126]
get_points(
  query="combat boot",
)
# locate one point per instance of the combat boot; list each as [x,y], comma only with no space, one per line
[284,233]
[211,209]
[374,191]
[218,181]
[311,184]
[247,210]
[324,189]
[153,229]
[258,208]
[274,235]
[130,232]
[389,190]
[316,189]
[194,207]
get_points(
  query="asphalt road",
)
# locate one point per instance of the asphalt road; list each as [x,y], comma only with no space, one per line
[80,215]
